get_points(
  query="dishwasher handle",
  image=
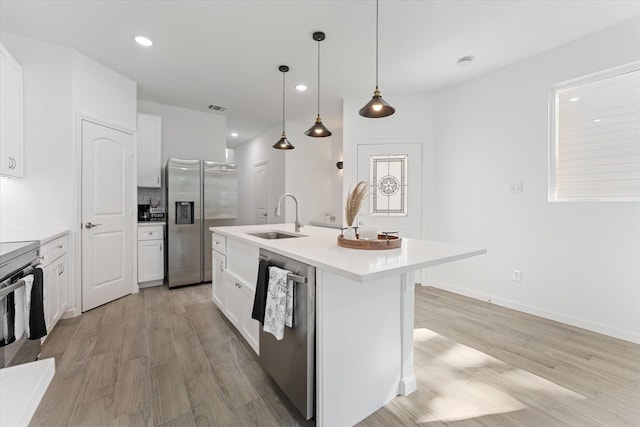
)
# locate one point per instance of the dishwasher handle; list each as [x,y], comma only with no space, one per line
[290,276]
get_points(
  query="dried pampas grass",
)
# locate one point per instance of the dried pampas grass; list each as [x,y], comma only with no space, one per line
[354,201]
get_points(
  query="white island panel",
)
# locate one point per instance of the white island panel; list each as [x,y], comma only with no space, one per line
[359,353]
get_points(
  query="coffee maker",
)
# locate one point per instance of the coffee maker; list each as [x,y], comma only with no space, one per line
[143,213]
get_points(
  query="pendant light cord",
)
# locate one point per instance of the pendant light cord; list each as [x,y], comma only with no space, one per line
[283,132]
[318,78]
[377,14]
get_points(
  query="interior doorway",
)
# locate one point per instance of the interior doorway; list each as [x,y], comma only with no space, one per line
[107,212]
[261,196]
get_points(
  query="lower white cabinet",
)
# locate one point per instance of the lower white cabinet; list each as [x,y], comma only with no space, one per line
[250,328]
[238,305]
[150,253]
[55,280]
[217,278]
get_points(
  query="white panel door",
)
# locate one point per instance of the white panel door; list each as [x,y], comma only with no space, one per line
[394,174]
[260,181]
[107,233]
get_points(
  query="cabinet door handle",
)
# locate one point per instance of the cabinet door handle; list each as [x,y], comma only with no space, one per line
[157,180]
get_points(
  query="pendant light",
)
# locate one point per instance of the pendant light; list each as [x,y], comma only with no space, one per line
[377,107]
[318,130]
[283,143]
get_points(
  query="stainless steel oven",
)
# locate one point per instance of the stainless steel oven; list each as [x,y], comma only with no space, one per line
[17,261]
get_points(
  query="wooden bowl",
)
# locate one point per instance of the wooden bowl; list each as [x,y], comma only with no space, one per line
[393,242]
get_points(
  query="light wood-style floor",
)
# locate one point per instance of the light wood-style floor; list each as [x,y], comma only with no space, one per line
[169,358]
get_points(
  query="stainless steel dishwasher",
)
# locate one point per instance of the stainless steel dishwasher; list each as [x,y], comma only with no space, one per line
[291,361]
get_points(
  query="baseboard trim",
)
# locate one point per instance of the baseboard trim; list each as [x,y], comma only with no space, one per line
[537,311]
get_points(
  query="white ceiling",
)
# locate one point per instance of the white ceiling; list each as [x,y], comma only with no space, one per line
[227,52]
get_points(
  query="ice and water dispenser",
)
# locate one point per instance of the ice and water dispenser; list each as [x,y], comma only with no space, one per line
[184,212]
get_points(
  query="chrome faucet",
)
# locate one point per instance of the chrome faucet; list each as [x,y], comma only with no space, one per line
[277,212]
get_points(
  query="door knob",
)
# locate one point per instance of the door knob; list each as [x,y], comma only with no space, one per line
[90,225]
[265,214]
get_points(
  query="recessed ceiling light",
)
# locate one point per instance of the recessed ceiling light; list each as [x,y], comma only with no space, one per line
[466,60]
[301,87]
[574,99]
[597,120]
[143,41]
[234,134]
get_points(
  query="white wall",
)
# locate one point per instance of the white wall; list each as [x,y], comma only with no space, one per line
[101,93]
[247,156]
[309,175]
[579,261]
[44,198]
[189,134]
[308,172]
[412,122]
[58,84]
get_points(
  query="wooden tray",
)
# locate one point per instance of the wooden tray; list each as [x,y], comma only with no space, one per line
[394,242]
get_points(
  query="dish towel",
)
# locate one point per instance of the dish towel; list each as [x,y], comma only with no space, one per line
[37,325]
[22,319]
[28,284]
[279,307]
[260,298]
[9,321]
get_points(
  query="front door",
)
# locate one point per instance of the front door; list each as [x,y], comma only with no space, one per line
[394,174]
[107,215]
[260,181]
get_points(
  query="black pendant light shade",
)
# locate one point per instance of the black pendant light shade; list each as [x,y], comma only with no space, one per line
[318,130]
[283,143]
[377,107]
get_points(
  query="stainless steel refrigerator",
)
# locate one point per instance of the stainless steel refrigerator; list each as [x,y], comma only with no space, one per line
[199,193]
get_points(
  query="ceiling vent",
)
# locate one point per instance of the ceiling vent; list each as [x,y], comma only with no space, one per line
[219,108]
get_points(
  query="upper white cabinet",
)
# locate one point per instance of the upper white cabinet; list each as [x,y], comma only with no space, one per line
[149,150]
[11,133]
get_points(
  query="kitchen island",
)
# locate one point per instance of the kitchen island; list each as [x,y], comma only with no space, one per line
[364,311]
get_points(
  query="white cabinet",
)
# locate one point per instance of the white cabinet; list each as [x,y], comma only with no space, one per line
[232,299]
[217,278]
[250,328]
[151,254]
[149,139]
[238,305]
[54,266]
[235,270]
[11,116]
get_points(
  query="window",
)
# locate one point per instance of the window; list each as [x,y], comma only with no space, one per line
[595,137]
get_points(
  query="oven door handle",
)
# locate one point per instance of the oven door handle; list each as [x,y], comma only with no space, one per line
[12,287]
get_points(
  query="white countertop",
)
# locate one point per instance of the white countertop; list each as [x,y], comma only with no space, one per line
[21,390]
[320,249]
[41,235]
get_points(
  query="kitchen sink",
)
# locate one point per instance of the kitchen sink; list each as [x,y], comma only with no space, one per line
[273,235]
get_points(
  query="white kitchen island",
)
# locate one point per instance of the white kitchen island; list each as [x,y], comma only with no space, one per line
[364,313]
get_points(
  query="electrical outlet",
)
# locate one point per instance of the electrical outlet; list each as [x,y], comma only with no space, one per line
[516,276]
[516,187]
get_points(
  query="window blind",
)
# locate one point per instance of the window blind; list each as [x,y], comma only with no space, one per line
[597,137]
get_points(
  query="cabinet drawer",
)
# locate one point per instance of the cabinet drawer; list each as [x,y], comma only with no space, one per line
[52,250]
[150,233]
[219,243]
